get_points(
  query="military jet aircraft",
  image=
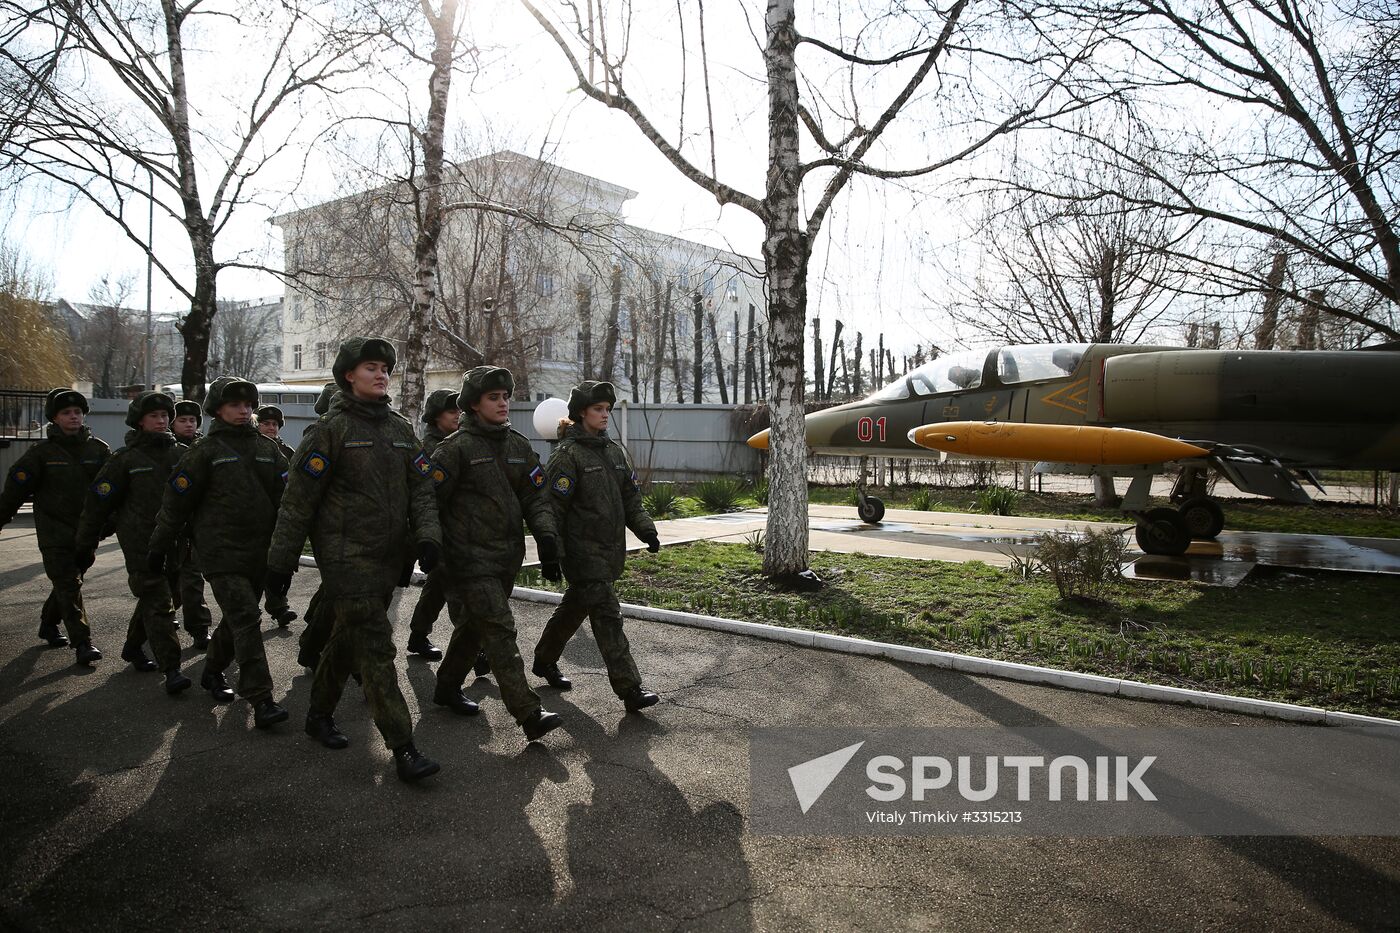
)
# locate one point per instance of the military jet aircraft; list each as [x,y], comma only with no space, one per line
[1264,420]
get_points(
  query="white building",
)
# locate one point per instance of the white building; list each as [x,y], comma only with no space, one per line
[537,272]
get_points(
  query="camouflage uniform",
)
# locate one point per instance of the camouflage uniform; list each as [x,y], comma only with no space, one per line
[317,633]
[433,597]
[227,489]
[357,480]
[488,480]
[596,499]
[56,473]
[186,583]
[127,492]
[276,605]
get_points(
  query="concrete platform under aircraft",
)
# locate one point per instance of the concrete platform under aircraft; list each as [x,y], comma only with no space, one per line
[955,536]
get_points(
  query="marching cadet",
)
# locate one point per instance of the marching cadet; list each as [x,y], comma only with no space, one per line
[596,500]
[270,424]
[441,415]
[359,489]
[55,473]
[488,480]
[227,489]
[127,492]
[186,585]
[317,633]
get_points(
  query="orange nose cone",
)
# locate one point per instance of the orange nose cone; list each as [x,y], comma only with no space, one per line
[760,440]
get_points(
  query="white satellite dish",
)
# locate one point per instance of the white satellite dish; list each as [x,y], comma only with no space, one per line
[547,415]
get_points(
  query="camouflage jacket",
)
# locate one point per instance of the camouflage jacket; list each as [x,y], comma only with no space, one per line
[596,500]
[286,448]
[227,489]
[128,491]
[488,480]
[56,474]
[358,480]
[432,437]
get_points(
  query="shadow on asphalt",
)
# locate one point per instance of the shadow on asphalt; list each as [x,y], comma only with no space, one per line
[1347,889]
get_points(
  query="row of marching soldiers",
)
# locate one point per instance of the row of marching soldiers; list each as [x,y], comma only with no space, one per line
[236,506]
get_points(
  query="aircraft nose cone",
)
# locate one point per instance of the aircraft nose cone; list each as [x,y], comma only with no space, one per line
[760,440]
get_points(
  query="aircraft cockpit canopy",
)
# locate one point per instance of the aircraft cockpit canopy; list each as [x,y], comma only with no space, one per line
[1036,361]
[945,374]
[961,371]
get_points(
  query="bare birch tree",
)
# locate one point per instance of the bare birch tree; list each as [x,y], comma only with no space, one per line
[594,46]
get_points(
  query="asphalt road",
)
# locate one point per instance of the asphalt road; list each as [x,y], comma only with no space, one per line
[123,808]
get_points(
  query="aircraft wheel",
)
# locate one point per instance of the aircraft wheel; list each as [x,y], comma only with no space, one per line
[1204,518]
[1163,531]
[871,510]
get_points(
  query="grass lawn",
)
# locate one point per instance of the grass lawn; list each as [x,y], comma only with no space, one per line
[1324,639]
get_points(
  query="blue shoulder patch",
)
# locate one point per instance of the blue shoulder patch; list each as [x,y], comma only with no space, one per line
[563,486]
[437,474]
[181,482]
[422,464]
[103,489]
[315,464]
[21,476]
[537,478]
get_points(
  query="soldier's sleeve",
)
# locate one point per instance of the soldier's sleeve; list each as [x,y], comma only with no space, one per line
[635,511]
[422,503]
[283,466]
[183,492]
[534,501]
[103,496]
[24,477]
[445,472]
[561,479]
[308,477]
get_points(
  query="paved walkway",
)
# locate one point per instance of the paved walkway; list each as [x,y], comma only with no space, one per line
[125,809]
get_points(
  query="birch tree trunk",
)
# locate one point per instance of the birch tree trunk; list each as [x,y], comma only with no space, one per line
[414,361]
[610,333]
[785,255]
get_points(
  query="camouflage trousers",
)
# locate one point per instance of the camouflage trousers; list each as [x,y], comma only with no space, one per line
[239,635]
[595,600]
[187,591]
[154,619]
[481,621]
[319,623]
[362,639]
[67,595]
[430,603]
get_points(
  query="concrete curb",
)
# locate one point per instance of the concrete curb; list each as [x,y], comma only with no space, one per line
[967,664]
[1027,673]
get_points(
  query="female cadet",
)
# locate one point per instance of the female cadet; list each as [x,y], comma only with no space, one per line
[596,499]
[359,489]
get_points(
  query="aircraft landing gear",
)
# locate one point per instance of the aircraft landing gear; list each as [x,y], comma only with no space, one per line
[1163,531]
[870,509]
[1203,517]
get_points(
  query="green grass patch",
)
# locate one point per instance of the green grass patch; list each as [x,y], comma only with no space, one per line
[1319,639]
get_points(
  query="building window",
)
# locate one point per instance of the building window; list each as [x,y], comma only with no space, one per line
[580,345]
[685,281]
[544,284]
[296,356]
[298,312]
[732,292]
[320,354]
[547,347]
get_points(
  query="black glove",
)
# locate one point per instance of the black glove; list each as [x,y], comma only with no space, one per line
[551,571]
[406,575]
[84,559]
[548,546]
[427,556]
[155,562]
[653,542]
[277,583]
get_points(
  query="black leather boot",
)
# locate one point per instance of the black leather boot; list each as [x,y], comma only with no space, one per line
[322,728]
[308,658]
[49,632]
[639,699]
[201,639]
[284,618]
[86,653]
[413,765]
[540,723]
[482,667]
[176,681]
[266,713]
[131,651]
[455,700]
[552,675]
[217,685]
[425,649]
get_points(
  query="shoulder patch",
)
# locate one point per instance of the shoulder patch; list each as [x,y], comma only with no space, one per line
[563,485]
[21,476]
[422,464]
[315,464]
[537,477]
[635,484]
[104,489]
[181,482]
[437,474]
